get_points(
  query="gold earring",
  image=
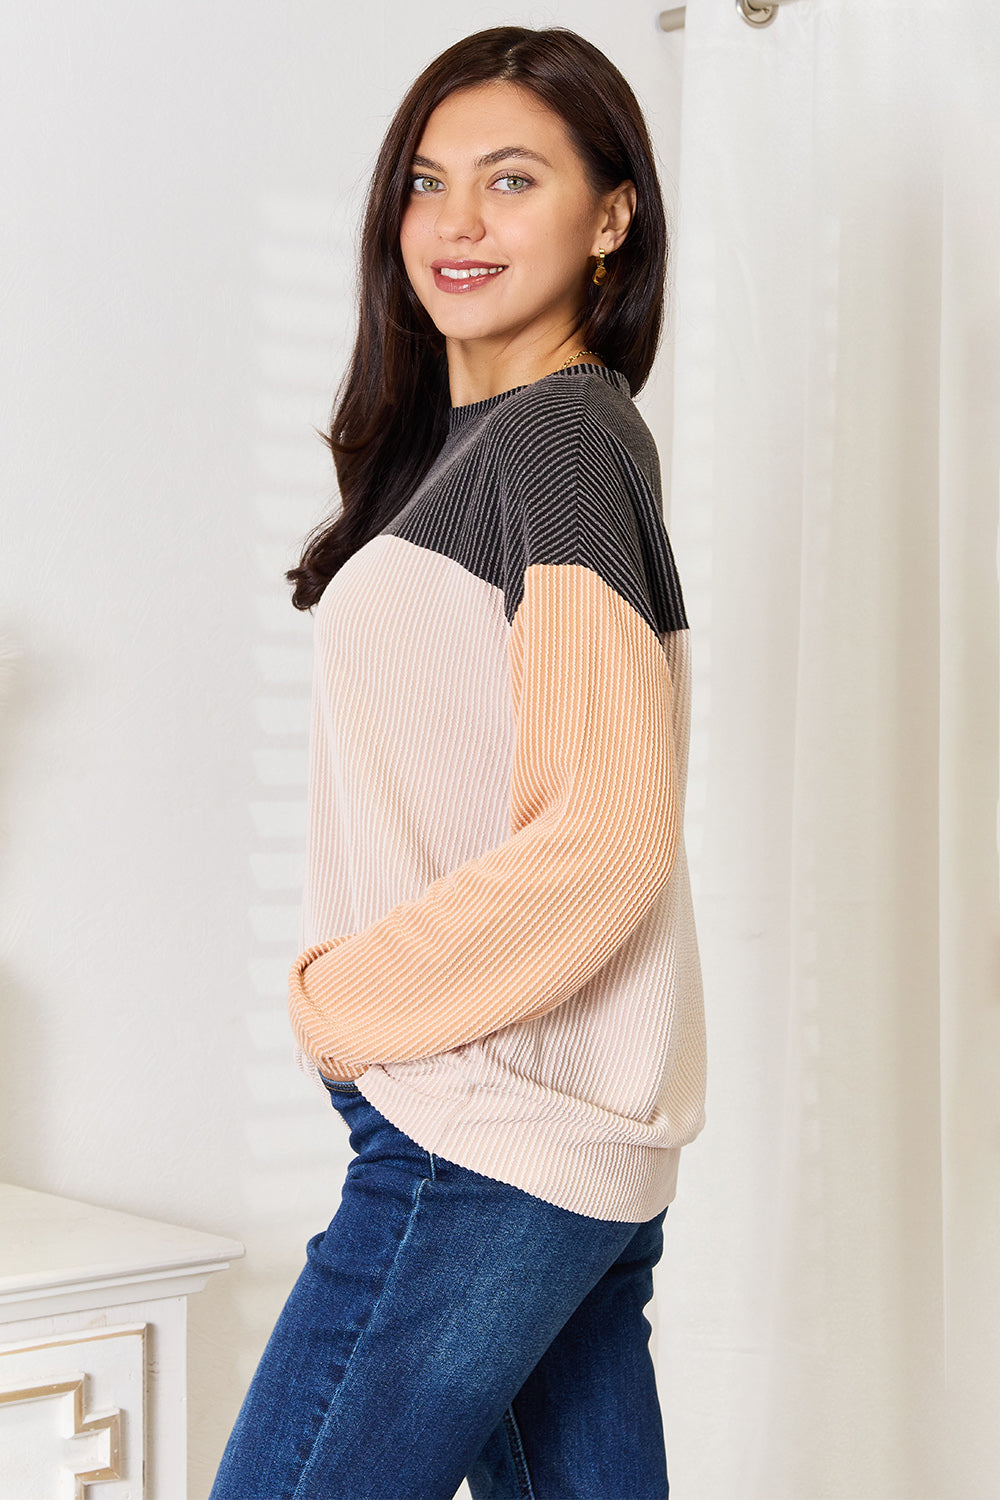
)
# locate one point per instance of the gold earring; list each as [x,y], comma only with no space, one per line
[600,270]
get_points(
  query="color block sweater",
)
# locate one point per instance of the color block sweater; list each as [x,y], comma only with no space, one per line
[498,936]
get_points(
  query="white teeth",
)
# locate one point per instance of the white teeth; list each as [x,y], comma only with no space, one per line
[455,275]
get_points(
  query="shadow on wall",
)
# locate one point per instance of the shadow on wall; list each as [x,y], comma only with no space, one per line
[20,1045]
[294,1152]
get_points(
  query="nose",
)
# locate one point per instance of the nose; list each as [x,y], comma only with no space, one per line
[460,215]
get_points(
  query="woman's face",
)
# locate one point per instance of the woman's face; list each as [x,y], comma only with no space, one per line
[497,186]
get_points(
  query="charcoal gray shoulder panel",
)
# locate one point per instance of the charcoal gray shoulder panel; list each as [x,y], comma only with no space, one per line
[560,472]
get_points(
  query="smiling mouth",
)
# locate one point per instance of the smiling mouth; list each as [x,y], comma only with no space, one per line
[471,272]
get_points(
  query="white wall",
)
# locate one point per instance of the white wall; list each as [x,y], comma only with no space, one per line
[180,188]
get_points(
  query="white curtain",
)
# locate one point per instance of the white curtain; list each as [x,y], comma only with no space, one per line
[829,1304]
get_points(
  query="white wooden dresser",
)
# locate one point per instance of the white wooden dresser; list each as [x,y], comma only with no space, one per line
[93,1347]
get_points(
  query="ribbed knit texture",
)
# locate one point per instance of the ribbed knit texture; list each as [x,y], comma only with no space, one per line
[498,936]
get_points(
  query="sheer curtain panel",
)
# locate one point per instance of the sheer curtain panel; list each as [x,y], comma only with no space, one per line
[830,1302]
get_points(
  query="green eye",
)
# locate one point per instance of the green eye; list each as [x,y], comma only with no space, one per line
[417,183]
[514,177]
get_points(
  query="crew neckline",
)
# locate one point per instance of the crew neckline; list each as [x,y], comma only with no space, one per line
[460,416]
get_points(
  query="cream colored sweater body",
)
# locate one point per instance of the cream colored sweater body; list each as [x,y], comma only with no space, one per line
[498,935]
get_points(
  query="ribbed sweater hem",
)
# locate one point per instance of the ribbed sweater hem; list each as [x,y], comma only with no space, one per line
[552,1159]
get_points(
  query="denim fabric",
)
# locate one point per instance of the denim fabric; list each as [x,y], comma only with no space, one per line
[447,1325]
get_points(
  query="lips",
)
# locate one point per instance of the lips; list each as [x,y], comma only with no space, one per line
[465,275]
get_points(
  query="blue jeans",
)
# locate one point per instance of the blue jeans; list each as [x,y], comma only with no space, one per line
[446,1325]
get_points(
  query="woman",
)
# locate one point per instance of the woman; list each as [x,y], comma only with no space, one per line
[500,987]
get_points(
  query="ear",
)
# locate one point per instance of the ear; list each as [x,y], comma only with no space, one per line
[619,206]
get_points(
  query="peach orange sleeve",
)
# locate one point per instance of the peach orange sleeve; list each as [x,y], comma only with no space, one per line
[594,829]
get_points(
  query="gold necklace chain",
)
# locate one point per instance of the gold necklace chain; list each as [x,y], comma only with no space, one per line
[578,355]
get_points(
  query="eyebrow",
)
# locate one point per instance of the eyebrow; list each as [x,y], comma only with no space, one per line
[491,158]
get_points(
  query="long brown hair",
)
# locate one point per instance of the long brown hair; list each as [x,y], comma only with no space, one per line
[391,411]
